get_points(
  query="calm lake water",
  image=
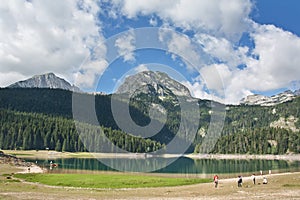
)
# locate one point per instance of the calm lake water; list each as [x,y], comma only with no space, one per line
[182,165]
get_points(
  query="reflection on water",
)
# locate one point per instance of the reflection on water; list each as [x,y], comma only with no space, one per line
[182,165]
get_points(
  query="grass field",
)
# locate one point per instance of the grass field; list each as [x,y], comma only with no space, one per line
[282,186]
[108,180]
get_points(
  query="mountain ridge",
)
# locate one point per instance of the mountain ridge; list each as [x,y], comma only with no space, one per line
[262,100]
[151,83]
[48,80]
[155,83]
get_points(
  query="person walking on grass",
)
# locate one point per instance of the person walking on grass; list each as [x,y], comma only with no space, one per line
[216,180]
[240,181]
[253,178]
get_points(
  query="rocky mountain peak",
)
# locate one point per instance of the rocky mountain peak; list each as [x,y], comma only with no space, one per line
[48,80]
[262,100]
[156,83]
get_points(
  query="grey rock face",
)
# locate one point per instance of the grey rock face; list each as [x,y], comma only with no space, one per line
[156,83]
[269,101]
[49,80]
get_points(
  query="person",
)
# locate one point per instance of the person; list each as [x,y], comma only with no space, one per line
[253,178]
[265,181]
[240,181]
[216,180]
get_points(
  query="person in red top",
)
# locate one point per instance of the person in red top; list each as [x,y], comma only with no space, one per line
[216,180]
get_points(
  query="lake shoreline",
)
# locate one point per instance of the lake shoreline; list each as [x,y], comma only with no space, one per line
[288,157]
[54,154]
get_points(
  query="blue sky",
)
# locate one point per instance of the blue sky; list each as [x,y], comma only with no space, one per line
[223,50]
[284,14]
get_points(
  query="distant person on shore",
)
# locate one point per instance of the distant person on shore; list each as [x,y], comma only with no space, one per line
[240,181]
[253,178]
[216,180]
[265,180]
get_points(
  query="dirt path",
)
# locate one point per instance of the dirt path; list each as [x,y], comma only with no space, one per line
[280,186]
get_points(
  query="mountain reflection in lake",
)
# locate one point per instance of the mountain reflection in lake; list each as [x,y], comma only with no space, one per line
[182,165]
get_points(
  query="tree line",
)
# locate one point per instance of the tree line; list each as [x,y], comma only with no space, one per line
[246,128]
[259,141]
[33,131]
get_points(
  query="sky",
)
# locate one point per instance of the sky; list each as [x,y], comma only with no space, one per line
[222,50]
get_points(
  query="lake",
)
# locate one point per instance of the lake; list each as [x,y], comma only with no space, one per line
[182,165]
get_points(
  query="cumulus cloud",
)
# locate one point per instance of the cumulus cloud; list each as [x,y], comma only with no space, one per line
[38,37]
[7,78]
[126,46]
[141,68]
[87,76]
[274,64]
[222,49]
[182,46]
[198,90]
[278,60]
[222,17]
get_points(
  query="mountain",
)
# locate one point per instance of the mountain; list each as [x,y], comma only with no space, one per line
[39,118]
[49,80]
[155,83]
[262,100]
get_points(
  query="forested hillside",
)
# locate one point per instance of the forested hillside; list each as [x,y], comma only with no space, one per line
[29,131]
[40,118]
[258,129]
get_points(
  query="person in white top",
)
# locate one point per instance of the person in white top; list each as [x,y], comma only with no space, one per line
[253,178]
[265,181]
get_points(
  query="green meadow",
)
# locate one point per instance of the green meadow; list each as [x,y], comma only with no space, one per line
[108,180]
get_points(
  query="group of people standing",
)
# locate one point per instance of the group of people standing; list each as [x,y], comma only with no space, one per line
[240,180]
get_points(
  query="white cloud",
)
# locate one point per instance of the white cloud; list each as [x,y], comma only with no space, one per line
[126,46]
[89,72]
[276,65]
[52,35]
[216,76]
[222,17]
[197,90]
[223,49]
[141,68]
[10,77]
[279,58]
[182,46]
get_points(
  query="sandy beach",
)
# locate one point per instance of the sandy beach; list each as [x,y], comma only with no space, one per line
[31,169]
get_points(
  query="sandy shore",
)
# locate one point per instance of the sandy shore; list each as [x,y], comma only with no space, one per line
[31,169]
